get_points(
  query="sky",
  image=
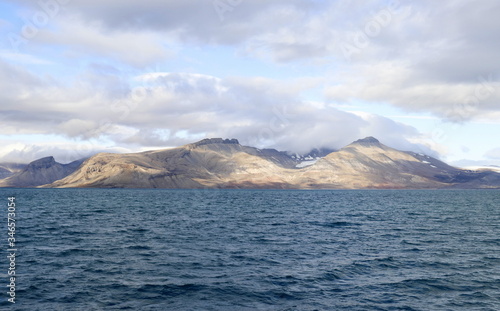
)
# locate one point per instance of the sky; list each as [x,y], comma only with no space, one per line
[81,77]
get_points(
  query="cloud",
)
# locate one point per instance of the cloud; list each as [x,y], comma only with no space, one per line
[440,58]
[468,29]
[22,58]
[77,127]
[190,20]
[35,104]
[435,37]
[423,57]
[397,83]
[493,154]
[81,38]
[395,134]
[134,32]
[473,164]
[63,152]
[169,109]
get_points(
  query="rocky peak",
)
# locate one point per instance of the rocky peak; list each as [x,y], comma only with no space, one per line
[367,141]
[42,163]
[208,141]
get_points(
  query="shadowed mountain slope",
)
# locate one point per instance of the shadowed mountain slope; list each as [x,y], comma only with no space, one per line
[40,172]
[224,163]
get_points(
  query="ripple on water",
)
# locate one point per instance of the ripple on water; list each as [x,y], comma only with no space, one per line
[116,249]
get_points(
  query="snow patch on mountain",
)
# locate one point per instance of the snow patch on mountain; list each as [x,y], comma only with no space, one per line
[306,163]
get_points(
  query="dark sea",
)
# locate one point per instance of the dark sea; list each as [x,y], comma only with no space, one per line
[98,249]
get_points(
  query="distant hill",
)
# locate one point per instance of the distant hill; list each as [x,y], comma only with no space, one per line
[224,163]
[9,169]
[40,172]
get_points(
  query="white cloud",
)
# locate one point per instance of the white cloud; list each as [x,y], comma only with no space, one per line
[493,154]
[177,108]
[396,83]
[22,58]
[139,49]
[77,127]
[436,58]
[63,151]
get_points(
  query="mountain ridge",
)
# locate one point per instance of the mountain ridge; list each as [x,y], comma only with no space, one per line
[225,163]
[39,172]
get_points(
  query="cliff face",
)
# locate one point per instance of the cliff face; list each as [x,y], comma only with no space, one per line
[219,163]
[40,172]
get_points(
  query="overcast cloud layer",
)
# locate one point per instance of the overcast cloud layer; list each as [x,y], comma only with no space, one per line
[108,77]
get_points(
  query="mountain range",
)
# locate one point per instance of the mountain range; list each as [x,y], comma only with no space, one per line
[225,163]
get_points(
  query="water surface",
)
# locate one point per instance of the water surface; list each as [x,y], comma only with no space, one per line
[98,249]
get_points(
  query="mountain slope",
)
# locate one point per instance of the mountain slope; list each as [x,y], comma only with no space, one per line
[219,163]
[9,169]
[367,163]
[4,172]
[208,163]
[40,172]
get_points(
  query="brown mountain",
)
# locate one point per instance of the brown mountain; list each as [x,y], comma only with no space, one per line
[367,163]
[208,163]
[219,163]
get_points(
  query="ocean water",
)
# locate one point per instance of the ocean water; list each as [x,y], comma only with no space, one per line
[98,249]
